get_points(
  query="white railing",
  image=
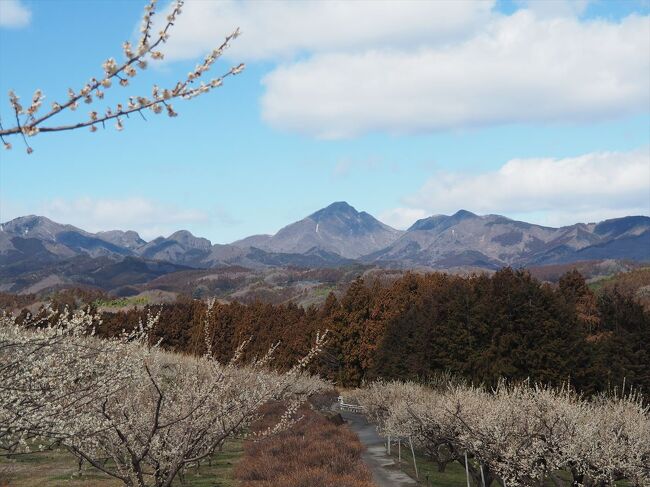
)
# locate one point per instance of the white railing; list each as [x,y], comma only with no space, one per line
[353,408]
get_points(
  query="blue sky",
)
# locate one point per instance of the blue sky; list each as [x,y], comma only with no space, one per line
[535,110]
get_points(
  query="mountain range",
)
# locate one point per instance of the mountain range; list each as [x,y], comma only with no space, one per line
[36,252]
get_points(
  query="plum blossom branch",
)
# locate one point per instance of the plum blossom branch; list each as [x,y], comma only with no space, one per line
[136,58]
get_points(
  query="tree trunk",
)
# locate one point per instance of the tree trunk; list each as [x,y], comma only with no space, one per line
[578,478]
[488,475]
[474,473]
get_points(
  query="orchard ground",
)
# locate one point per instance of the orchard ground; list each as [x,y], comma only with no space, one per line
[59,468]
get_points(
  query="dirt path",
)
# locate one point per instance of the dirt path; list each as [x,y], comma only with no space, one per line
[384,471]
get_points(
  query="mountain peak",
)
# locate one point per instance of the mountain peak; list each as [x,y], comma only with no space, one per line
[441,222]
[29,220]
[428,223]
[463,214]
[340,206]
[128,239]
[336,208]
[36,226]
[187,239]
[338,228]
[181,234]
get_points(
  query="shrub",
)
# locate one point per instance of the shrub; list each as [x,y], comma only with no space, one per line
[315,452]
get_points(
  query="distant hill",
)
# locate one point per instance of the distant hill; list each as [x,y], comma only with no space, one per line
[493,241]
[180,248]
[30,234]
[35,251]
[635,283]
[83,271]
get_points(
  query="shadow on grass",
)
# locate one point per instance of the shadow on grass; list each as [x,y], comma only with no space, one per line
[60,468]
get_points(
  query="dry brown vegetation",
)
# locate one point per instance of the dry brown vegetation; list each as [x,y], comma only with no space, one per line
[635,284]
[315,452]
[590,269]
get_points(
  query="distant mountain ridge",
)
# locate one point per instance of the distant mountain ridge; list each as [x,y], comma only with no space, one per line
[334,236]
[492,241]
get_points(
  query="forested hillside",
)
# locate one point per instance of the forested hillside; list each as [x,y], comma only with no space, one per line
[480,327]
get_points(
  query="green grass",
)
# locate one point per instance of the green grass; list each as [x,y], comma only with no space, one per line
[454,474]
[59,468]
[121,302]
[323,291]
[597,284]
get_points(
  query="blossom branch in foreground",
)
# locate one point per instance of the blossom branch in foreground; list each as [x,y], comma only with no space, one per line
[137,58]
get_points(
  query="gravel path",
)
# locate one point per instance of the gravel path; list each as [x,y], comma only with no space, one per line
[384,471]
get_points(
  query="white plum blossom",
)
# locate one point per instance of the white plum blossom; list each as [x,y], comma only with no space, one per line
[522,434]
[140,414]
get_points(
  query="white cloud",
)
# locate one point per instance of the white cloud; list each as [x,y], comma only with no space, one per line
[148,217]
[518,68]
[590,187]
[284,27]
[352,67]
[14,14]
[402,218]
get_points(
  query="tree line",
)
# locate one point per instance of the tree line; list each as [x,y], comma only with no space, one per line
[480,327]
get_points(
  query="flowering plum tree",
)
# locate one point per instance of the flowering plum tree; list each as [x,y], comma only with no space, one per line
[28,123]
[522,434]
[612,442]
[52,370]
[132,410]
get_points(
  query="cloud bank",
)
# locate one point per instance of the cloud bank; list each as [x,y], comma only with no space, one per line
[344,69]
[519,70]
[587,188]
[150,218]
[284,28]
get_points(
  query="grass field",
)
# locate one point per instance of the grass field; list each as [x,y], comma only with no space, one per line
[454,474]
[59,468]
[122,302]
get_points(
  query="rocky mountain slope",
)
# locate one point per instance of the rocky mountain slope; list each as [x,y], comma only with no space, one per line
[492,241]
[338,228]
[55,239]
[35,251]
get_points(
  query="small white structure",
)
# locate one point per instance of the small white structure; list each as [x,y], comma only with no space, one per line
[353,408]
